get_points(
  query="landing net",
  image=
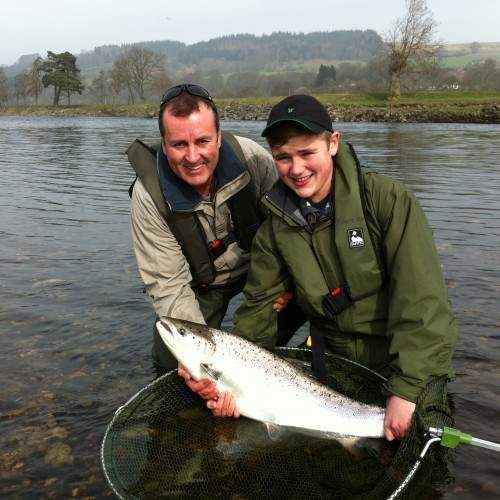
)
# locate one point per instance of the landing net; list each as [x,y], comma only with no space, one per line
[164,443]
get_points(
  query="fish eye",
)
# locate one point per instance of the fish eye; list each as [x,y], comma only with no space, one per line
[182,331]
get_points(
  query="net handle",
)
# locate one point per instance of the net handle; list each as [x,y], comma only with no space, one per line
[415,467]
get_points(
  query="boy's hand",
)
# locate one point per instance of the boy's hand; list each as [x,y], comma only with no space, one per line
[398,416]
[282,302]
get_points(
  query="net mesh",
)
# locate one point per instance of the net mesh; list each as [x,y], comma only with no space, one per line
[164,443]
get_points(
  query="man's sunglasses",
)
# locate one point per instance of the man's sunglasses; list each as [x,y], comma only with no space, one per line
[195,90]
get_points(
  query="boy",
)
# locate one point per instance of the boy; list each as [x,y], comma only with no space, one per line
[358,251]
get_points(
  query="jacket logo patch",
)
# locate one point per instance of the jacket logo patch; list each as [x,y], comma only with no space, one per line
[356,238]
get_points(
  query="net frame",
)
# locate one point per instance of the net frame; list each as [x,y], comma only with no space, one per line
[165,426]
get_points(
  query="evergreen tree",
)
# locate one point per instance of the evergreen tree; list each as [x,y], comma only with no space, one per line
[326,74]
[62,73]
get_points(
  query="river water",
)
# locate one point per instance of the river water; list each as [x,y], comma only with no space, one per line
[75,327]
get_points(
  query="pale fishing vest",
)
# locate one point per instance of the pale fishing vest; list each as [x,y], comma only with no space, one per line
[199,252]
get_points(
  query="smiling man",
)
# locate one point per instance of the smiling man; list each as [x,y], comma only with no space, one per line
[195,209]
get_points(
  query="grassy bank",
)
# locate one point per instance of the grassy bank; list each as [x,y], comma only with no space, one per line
[367,106]
[416,98]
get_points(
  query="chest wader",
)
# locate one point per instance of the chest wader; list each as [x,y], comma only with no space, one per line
[358,252]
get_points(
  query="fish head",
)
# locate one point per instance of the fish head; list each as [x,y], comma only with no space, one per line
[191,343]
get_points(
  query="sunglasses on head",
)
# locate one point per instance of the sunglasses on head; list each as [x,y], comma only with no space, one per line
[195,90]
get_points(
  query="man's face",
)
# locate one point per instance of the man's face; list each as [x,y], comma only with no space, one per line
[191,145]
[305,164]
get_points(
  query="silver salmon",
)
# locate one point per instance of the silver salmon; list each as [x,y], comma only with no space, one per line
[267,387]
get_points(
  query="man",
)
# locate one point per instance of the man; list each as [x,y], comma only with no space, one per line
[360,253]
[195,209]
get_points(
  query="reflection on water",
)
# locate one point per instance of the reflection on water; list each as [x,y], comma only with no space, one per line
[75,326]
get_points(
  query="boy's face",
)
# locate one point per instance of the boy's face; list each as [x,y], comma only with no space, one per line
[305,164]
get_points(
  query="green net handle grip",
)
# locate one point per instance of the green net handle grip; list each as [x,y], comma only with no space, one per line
[453,437]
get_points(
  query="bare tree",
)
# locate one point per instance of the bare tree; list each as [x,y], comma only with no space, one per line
[118,79]
[160,83]
[35,76]
[410,41]
[139,67]
[4,88]
[483,76]
[100,87]
[22,87]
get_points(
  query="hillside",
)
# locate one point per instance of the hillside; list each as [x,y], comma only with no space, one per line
[278,52]
[246,65]
[234,53]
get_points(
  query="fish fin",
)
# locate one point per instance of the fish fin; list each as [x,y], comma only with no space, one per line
[215,374]
[362,447]
[275,431]
[354,445]
[303,366]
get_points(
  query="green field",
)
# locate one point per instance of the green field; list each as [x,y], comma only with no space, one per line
[455,57]
[458,56]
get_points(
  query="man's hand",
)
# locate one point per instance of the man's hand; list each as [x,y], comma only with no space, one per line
[282,302]
[205,388]
[398,414]
[224,405]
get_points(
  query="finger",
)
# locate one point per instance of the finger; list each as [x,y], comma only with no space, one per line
[224,405]
[208,390]
[209,393]
[183,372]
[233,409]
[389,435]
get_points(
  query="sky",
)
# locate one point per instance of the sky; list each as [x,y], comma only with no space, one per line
[37,26]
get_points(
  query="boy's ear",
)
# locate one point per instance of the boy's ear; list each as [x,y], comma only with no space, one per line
[334,143]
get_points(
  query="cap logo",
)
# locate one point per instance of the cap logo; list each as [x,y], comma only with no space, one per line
[291,110]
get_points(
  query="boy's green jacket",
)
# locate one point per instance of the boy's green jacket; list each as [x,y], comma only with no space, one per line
[379,247]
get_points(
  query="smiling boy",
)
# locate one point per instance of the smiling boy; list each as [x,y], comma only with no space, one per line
[357,249]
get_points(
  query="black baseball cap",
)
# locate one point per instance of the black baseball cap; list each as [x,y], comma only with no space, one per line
[303,109]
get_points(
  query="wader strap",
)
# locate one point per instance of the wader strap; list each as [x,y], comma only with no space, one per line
[235,146]
[218,247]
[143,160]
[318,353]
[335,302]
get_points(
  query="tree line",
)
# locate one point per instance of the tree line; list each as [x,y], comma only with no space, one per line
[406,57]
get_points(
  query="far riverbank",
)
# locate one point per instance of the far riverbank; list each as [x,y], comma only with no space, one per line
[342,108]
